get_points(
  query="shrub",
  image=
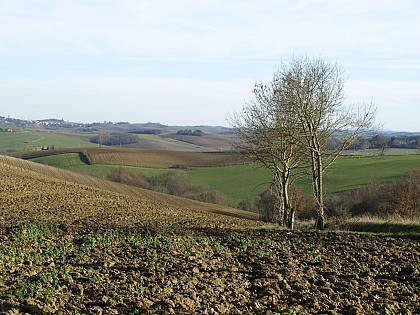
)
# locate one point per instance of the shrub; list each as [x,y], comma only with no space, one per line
[124,176]
[265,204]
[247,205]
[115,138]
[398,199]
[189,132]
[172,183]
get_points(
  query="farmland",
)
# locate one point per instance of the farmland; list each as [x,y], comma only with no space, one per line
[30,140]
[105,185]
[242,180]
[214,141]
[93,248]
[159,158]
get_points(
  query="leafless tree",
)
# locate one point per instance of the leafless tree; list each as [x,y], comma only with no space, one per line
[266,135]
[293,120]
[312,90]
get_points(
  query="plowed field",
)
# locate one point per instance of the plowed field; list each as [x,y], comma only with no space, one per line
[67,177]
[160,158]
[67,248]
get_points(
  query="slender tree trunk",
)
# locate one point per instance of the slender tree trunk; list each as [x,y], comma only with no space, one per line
[285,193]
[317,181]
[292,218]
[320,220]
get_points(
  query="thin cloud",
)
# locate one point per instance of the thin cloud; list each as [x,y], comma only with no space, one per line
[196,55]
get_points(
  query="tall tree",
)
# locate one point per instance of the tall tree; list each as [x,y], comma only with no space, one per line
[266,135]
[313,92]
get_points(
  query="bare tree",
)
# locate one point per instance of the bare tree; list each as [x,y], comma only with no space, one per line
[312,95]
[266,135]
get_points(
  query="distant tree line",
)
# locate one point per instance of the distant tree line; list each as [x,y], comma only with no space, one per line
[382,141]
[114,138]
[189,132]
[147,131]
[172,183]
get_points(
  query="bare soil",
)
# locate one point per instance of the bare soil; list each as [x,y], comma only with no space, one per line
[205,271]
[72,249]
[160,158]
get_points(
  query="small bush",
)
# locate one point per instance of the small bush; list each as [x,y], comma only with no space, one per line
[265,203]
[172,183]
[398,199]
[123,176]
[247,204]
[115,138]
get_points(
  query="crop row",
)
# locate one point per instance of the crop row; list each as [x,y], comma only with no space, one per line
[160,158]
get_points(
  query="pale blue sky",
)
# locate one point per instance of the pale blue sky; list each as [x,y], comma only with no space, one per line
[195,62]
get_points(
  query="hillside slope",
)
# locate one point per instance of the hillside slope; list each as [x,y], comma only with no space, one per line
[160,158]
[32,191]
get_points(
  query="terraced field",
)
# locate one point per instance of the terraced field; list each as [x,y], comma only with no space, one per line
[67,248]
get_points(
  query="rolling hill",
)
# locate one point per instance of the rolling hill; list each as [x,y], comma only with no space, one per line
[35,191]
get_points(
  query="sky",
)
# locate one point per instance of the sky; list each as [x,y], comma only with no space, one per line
[188,62]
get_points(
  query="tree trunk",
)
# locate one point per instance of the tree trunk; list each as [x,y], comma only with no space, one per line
[317,181]
[285,195]
[320,220]
[279,205]
[292,218]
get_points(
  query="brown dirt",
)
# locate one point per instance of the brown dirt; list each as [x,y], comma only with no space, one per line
[99,252]
[206,271]
[160,158]
[30,172]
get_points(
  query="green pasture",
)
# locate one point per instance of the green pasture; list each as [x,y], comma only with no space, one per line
[241,182]
[246,181]
[25,140]
[355,172]
[75,162]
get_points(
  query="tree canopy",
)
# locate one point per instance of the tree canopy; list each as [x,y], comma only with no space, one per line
[291,122]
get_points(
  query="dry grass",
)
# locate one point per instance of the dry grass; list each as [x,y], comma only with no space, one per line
[374,219]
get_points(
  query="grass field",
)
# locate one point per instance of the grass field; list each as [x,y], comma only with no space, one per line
[75,162]
[240,182]
[157,142]
[29,140]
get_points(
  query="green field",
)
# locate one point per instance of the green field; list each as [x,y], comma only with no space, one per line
[75,162]
[245,181]
[29,140]
[240,182]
